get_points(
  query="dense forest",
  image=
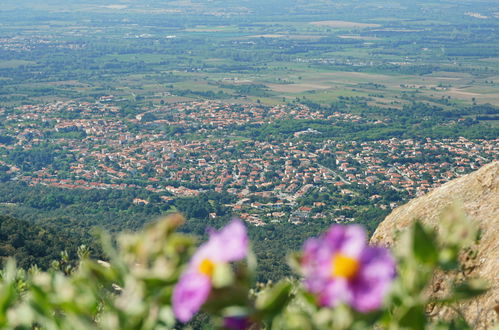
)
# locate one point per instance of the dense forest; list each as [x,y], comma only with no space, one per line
[49,221]
[32,244]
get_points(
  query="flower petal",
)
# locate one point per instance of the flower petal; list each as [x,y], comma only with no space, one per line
[316,259]
[189,295]
[231,243]
[334,292]
[228,244]
[370,272]
[374,279]
[348,240]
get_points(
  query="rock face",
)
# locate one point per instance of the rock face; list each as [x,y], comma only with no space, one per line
[478,195]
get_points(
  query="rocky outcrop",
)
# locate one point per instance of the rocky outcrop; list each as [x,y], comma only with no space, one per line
[478,195]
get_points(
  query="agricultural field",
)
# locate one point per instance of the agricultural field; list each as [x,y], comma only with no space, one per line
[387,54]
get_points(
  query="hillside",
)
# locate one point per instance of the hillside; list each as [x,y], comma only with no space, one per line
[32,244]
[478,196]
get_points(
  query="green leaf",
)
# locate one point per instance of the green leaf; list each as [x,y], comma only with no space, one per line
[293,321]
[414,318]
[222,275]
[294,262]
[7,295]
[465,290]
[424,245]
[469,289]
[448,258]
[454,324]
[274,299]
[252,262]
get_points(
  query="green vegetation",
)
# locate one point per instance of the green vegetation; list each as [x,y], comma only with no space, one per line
[138,288]
[292,115]
[32,244]
[79,215]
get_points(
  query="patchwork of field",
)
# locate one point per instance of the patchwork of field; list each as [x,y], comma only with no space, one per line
[288,36]
[358,37]
[9,64]
[327,86]
[344,24]
[234,54]
[296,88]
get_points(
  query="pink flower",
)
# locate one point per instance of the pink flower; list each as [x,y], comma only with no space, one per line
[339,267]
[195,284]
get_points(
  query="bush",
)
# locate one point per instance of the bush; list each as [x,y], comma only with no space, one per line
[157,279]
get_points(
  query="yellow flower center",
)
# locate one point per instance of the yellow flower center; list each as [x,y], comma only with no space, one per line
[206,267]
[344,266]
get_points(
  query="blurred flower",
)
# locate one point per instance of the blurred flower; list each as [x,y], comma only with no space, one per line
[195,284]
[339,267]
[236,323]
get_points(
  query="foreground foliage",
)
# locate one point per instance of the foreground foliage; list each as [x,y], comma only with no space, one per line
[148,272]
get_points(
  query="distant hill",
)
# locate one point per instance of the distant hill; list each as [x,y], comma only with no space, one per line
[478,195]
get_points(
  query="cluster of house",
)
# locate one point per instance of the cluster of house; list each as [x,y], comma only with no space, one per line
[217,115]
[109,155]
[414,166]
[28,43]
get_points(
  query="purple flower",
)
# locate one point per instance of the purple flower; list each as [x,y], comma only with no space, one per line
[339,267]
[236,323]
[194,287]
